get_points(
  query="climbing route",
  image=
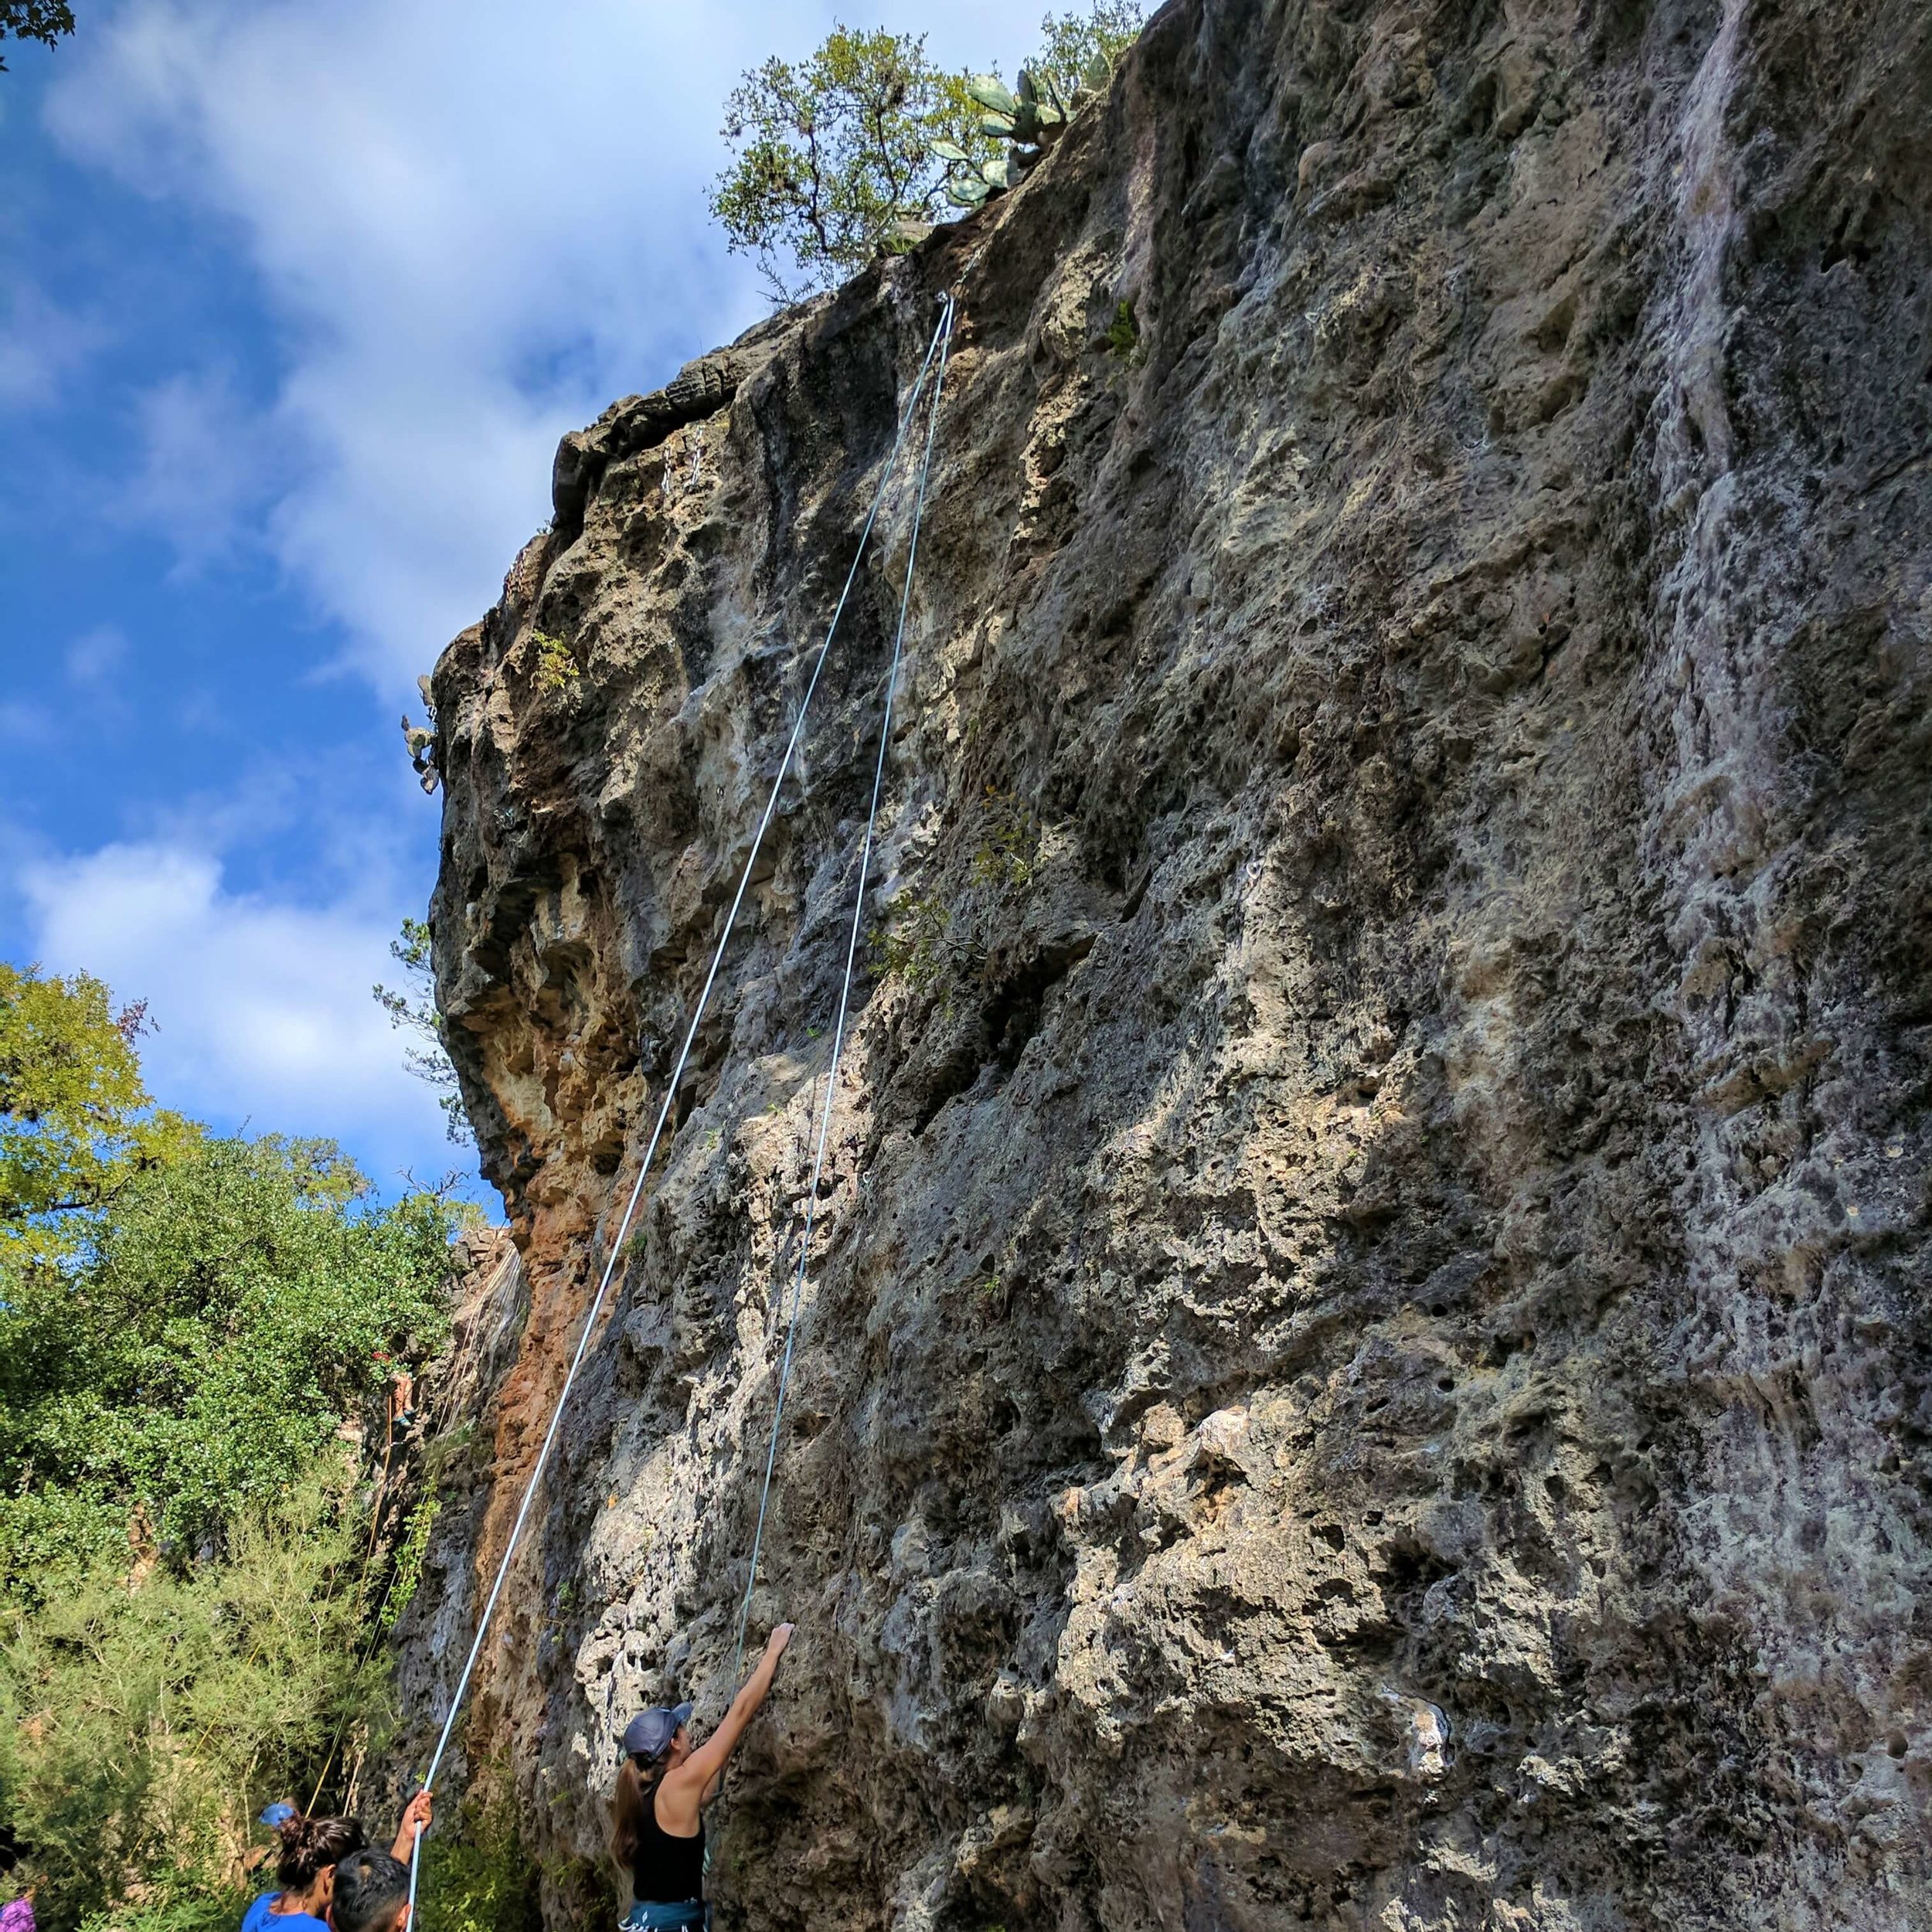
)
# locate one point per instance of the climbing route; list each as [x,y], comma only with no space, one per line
[932,365]
[845,988]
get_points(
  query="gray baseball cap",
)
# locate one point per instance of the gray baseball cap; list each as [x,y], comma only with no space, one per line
[650,1732]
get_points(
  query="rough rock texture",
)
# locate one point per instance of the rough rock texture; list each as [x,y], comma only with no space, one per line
[1366,1363]
[699,389]
[450,1465]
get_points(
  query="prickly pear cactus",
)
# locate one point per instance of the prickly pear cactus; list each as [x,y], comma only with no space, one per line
[1030,119]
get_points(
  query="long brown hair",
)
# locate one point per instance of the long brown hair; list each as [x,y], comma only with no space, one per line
[638,1780]
[311,1845]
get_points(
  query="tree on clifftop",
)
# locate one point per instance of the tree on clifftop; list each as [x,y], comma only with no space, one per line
[42,20]
[832,157]
[833,160]
[1070,41]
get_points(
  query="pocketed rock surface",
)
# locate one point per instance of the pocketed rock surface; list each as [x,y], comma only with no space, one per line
[1364,1360]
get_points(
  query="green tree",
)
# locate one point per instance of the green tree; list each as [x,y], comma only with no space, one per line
[1069,42]
[143,1725]
[413,1009]
[42,20]
[236,1304]
[188,1327]
[832,160]
[75,1123]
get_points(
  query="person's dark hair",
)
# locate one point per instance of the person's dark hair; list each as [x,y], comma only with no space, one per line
[312,1845]
[371,1888]
[637,1779]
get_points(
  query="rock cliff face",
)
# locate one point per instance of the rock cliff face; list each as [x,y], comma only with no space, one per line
[1366,1361]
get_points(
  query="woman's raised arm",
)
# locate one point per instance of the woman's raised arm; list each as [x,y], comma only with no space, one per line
[686,1787]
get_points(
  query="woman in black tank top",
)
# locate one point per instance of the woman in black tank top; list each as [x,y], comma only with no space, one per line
[662,1786]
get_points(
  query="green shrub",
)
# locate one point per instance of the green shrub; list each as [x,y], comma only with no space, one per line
[556,669]
[1122,340]
[1008,854]
[480,1879]
[411,1008]
[932,945]
[237,1303]
[143,1722]
[405,1573]
[912,945]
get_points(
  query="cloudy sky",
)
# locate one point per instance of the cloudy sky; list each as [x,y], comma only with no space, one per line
[294,301]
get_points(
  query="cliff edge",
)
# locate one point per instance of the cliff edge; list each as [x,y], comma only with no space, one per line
[1366,1362]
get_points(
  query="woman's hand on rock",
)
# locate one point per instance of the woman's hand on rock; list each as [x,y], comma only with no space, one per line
[775,1644]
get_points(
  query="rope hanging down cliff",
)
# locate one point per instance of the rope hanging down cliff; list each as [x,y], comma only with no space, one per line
[941,337]
[845,989]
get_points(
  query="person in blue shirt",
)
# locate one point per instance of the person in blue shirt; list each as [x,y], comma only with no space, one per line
[306,1868]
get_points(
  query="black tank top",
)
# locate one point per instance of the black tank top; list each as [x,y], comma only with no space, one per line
[666,1870]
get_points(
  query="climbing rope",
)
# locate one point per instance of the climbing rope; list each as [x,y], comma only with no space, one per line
[941,334]
[845,990]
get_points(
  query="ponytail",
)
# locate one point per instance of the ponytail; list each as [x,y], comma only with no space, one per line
[637,1780]
[311,1845]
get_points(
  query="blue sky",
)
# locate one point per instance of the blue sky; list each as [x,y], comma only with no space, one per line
[294,301]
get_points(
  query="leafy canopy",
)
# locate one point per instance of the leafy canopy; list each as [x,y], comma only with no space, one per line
[237,1303]
[75,1123]
[42,20]
[832,158]
[189,1325]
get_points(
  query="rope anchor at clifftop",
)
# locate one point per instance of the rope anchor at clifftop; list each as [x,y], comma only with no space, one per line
[933,365]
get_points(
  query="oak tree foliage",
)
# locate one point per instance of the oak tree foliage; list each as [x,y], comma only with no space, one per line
[231,1308]
[45,21]
[832,157]
[76,1123]
[197,1332]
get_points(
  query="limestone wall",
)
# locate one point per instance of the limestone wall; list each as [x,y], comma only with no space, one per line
[1380,1180]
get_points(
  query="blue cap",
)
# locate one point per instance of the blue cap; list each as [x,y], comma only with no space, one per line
[650,1732]
[277,1816]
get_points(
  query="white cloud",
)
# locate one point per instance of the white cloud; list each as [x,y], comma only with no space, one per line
[203,466]
[264,1009]
[25,722]
[474,222]
[42,345]
[95,663]
[94,656]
